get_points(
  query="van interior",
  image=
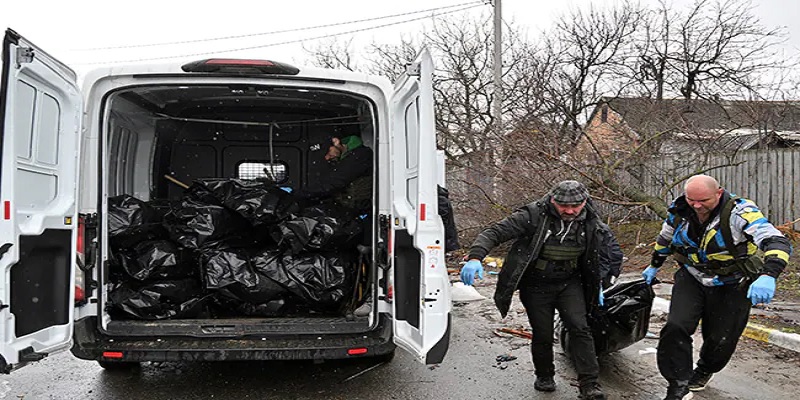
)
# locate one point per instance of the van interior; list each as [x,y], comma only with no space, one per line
[204,230]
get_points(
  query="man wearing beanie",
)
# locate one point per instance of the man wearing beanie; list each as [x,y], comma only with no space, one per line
[561,256]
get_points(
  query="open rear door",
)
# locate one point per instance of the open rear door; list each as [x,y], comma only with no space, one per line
[40,111]
[421,304]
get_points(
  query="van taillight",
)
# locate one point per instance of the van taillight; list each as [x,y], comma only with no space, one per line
[357,351]
[80,293]
[112,354]
[81,232]
[80,296]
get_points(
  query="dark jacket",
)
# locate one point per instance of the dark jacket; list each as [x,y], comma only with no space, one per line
[528,225]
[340,174]
[448,219]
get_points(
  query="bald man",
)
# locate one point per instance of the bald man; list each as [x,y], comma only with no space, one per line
[714,236]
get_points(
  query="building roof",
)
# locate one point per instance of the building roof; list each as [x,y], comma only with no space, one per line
[731,124]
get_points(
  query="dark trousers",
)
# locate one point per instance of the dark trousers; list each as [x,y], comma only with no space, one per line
[541,299]
[724,311]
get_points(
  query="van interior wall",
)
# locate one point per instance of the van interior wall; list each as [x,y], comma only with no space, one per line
[130,143]
[190,151]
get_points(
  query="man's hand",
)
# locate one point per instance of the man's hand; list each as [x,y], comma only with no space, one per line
[762,290]
[649,274]
[469,270]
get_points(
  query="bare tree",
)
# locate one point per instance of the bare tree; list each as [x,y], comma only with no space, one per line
[715,48]
[589,49]
[333,53]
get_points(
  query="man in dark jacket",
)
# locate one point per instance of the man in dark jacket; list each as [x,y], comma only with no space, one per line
[560,258]
[348,176]
[714,236]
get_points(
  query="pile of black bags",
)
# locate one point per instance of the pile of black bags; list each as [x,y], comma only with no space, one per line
[230,248]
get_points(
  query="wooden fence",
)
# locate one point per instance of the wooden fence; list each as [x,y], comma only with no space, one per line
[771,178]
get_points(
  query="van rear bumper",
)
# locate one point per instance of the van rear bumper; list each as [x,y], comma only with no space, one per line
[89,344]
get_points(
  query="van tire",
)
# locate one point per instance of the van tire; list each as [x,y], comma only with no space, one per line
[118,365]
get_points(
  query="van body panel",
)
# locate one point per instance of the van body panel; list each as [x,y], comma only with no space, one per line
[41,110]
[422,288]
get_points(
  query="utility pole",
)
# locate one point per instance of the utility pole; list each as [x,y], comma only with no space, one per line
[498,68]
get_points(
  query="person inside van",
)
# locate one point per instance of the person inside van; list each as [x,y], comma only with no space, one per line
[348,180]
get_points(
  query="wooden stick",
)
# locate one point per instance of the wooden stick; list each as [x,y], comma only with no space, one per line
[516,332]
[177,182]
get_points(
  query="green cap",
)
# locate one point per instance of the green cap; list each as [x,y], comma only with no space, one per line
[351,142]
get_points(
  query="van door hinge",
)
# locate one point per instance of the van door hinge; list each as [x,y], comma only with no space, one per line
[412,69]
[24,55]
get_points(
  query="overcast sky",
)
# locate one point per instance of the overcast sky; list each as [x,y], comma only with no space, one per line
[63,28]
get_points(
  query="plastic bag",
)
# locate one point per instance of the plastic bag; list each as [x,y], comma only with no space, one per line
[159,300]
[131,221]
[323,283]
[623,320]
[157,259]
[226,266]
[195,225]
[258,202]
[264,289]
[461,292]
[320,227]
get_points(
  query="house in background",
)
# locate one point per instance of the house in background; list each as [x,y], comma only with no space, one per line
[678,126]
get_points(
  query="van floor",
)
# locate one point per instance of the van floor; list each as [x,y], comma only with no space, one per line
[240,326]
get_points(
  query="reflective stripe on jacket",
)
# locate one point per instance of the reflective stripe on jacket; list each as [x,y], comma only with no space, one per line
[750,231]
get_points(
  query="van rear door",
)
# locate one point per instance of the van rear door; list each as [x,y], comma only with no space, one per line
[40,111]
[421,306]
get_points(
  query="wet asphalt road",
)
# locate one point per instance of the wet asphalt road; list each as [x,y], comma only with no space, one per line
[470,371]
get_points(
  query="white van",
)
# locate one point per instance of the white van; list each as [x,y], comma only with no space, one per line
[140,131]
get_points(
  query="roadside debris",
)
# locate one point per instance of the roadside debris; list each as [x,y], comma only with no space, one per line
[505,358]
[502,359]
[516,332]
[462,292]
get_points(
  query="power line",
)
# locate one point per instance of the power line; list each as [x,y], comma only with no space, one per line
[276,32]
[280,43]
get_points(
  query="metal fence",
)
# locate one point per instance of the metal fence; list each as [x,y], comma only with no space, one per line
[771,178]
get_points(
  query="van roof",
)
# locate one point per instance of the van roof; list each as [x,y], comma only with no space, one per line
[175,68]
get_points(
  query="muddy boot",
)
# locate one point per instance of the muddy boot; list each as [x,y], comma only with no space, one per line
[544,384]
[592,391]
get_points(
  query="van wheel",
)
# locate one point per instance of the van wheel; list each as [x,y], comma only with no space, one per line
[386,358]
[118,365]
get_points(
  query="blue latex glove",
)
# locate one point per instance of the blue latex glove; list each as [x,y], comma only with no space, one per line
[469,270]
[602,299]
[649,274]
[286,189]
[762,290]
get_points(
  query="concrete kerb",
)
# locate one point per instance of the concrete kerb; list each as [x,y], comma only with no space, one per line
[789,341]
